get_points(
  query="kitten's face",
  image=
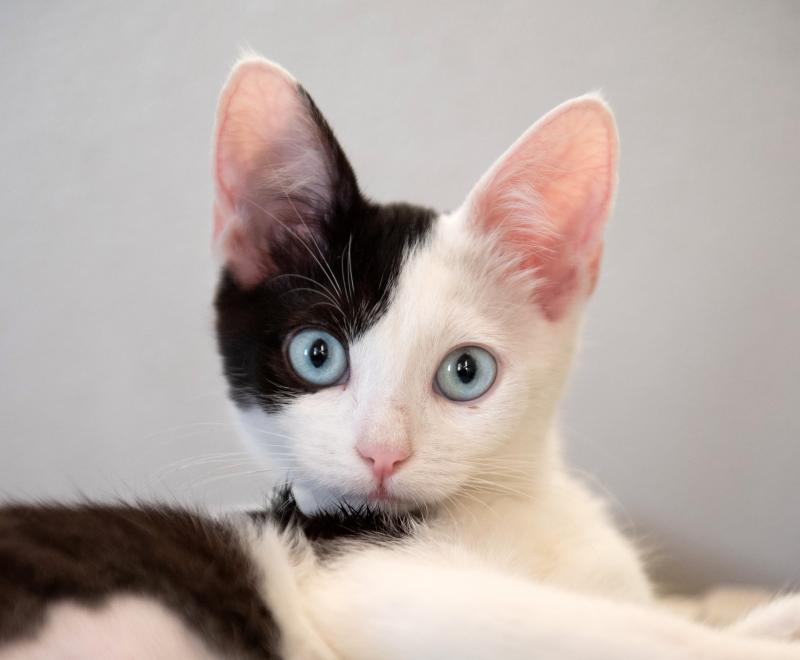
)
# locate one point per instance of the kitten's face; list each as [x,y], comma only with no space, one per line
[440,292]
[384,353]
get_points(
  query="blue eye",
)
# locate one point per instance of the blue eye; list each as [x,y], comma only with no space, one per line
[466,373]
[317,357]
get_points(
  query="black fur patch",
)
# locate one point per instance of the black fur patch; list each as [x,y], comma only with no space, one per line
[192,564]
[343,287]
[347,523]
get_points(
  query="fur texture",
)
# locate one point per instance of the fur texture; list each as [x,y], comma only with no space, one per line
[194,566]
[119,582]
[401,288]
[88,580]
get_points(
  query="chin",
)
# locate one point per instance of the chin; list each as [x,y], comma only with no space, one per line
[399,500]
[312,498]
[392,504]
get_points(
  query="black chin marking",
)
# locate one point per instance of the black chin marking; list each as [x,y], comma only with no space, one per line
[343,523]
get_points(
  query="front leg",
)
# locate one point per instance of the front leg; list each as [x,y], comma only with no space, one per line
[394,605]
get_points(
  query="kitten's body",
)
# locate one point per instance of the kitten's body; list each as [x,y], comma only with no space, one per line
[116,582]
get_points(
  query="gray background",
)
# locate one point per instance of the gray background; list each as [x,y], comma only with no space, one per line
[685,402]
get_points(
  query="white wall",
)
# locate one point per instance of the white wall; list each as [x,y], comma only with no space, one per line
[685,404]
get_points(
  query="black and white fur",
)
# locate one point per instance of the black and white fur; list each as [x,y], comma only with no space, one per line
[97,581]
[484,546]
[119,582]
[401,286]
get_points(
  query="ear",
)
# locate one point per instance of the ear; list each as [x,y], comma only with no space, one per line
[280,174]
[547,198]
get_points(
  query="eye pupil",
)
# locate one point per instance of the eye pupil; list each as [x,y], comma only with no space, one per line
[318,353]
[466,368]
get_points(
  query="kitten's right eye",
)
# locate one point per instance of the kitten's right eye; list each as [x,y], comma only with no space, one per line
[317,357]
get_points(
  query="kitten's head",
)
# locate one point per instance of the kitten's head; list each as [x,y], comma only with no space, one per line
[387,353]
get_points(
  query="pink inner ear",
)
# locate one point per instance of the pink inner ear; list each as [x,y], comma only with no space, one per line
[548,197]
[269,167]
[257,104]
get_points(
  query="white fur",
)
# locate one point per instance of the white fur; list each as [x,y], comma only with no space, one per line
[284,565]
[393,604]
[779,619]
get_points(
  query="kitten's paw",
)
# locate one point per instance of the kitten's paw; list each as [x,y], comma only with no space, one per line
[779,619]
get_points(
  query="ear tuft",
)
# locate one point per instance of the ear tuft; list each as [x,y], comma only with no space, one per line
[547,198]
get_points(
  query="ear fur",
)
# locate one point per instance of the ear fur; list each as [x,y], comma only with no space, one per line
[278,169]
[546,200]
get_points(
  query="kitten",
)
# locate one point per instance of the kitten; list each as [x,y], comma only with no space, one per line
[371,582]
[389,354]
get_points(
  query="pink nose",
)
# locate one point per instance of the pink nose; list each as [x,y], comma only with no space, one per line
[384,461]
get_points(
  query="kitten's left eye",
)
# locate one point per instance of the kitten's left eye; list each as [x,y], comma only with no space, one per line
[317,357]
[466,373]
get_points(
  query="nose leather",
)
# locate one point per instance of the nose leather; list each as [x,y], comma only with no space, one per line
[383,461]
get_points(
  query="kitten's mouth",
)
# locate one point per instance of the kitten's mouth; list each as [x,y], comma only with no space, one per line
[378,498]
[382,498]
[380,494]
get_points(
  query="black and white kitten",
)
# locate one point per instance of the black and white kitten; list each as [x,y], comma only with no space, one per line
[391,355]
[389,360]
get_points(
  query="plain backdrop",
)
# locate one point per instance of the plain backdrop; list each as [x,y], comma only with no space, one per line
[684,405]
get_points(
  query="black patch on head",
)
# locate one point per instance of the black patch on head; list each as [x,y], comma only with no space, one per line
[339,278]
[193,565]
[326,529]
